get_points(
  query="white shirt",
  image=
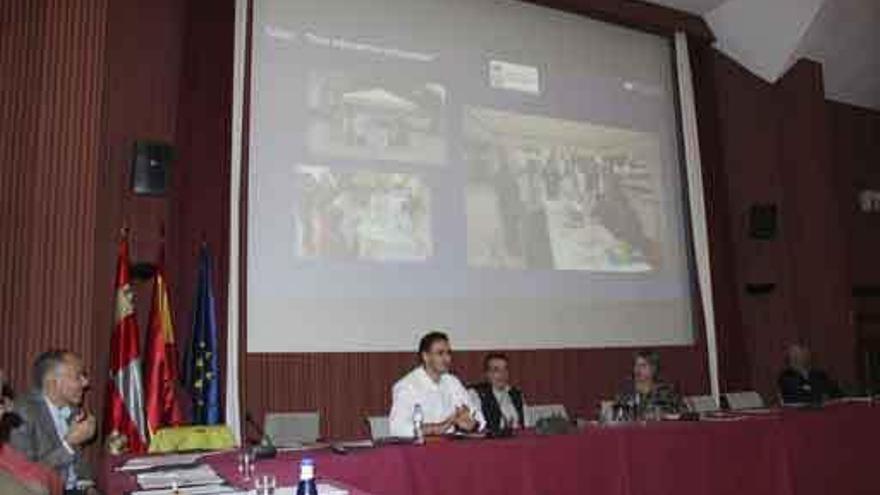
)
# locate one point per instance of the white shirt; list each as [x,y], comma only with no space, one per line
[437,399]
[60,419]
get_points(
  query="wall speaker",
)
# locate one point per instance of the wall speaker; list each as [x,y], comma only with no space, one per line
[762,221]
[150,167]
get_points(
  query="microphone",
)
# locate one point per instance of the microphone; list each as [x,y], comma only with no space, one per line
[265,449]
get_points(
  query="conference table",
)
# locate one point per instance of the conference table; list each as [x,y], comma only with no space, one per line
[803,452]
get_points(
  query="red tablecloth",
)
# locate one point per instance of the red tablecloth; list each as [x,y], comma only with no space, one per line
[786,452]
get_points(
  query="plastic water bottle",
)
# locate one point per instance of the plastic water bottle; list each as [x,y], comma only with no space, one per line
[306,485]
[418,420]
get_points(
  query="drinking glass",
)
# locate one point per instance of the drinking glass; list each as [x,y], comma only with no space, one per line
[265,484]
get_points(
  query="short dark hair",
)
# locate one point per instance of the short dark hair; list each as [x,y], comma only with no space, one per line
[652,357]
[492,356]
[46,363]
[428,341]
[11,420]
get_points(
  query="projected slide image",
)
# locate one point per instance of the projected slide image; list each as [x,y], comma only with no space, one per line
[376,117]
[544,193]
[361,215]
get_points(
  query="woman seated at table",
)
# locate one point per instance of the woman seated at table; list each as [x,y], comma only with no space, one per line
[645,395]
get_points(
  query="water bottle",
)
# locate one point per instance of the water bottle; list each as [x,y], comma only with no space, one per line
[306,485]
[418,420]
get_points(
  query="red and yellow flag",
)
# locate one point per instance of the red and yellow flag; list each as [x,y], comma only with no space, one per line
[163,407]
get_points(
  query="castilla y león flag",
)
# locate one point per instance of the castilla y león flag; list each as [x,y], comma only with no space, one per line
[125,400]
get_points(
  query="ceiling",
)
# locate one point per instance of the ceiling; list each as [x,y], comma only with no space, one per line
[769,36]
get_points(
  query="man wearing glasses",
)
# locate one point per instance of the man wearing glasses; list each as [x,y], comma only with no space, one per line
[55,426]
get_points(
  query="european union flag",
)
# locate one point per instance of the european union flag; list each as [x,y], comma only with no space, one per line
[202,368]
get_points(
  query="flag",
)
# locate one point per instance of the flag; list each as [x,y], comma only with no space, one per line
[202,369]
[163,408]
[124,417]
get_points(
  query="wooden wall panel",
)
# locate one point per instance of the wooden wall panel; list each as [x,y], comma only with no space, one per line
[143,56]
[52,70]
[817,242]
[749,135]
[855,158]
[855,153]
[80,80]
[199,209]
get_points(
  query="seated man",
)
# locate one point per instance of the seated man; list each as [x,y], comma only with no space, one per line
[800,383]
[502,405]
[18,476]
[646,394]
[445,404]
[54,426]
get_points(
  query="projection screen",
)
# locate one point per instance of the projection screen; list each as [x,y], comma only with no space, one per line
[505,172]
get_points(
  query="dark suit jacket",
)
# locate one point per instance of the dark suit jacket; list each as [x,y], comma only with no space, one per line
[37,439]
[798,389]
[491,408]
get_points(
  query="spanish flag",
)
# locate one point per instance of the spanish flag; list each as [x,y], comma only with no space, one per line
[163,407]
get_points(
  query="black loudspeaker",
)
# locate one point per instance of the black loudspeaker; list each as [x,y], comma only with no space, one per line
[150,167]
[762,221]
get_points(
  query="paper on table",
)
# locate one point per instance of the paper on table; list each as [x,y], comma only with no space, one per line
[199,475]
[155,461]
[190,490]
[328,489]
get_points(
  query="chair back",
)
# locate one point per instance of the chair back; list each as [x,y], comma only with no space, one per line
[534,413]
[701,403]
[292,429]
[379,427]
[744,400]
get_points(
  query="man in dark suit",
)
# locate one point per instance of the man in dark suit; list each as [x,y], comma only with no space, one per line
[800,383]
[54,426]
[502,404]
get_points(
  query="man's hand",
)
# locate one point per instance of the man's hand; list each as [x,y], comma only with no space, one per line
[464,420]
[434,429]
[81,430]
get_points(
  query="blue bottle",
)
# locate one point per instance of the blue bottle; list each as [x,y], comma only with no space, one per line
[306,485]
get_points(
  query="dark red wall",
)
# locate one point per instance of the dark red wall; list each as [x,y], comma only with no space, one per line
[855,137]
[776,143]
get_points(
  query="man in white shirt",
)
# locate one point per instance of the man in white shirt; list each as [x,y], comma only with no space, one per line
[446,405]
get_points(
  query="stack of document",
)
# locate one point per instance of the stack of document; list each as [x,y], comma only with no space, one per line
[159,461]
[191,490]
[181,477]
